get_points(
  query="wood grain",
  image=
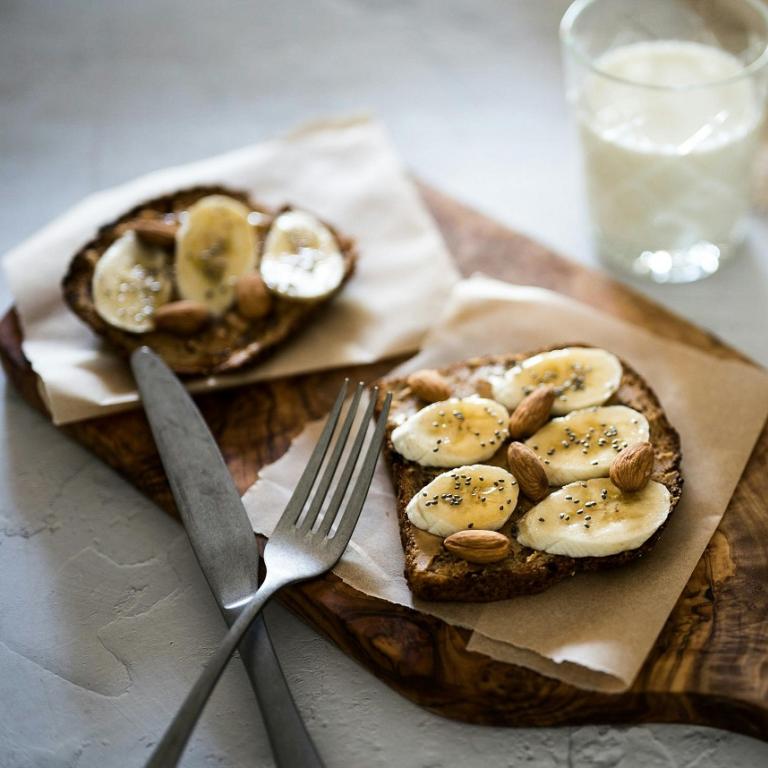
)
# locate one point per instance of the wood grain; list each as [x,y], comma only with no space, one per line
[708,665]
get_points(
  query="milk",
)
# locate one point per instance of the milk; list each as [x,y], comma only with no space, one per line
[668,170]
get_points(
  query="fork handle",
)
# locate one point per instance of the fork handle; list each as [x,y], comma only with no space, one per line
[170,748]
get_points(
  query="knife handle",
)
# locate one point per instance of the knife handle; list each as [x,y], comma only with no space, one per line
[291,745]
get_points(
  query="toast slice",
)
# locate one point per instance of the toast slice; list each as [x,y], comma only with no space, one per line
[433,573]
[226,344]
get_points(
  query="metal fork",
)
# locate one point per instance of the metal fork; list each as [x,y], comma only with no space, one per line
[297,549]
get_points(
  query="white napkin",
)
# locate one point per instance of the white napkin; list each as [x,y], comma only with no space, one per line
[345,171]
[593,630]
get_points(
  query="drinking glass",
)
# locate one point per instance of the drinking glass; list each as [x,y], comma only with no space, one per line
[669,97]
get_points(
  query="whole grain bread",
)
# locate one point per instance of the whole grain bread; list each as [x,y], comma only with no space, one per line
[230,342]
[433,573]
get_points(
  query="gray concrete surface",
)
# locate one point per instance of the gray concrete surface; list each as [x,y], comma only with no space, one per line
[104,618]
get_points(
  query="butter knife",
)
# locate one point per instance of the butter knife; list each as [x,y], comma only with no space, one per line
[223,541]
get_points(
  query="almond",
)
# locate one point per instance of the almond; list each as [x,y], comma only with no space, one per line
[253,299]
[182,318]
[429,385]
[632,467]
[478,546]
[528,470]
[532,413]
[483,388]
[160,232]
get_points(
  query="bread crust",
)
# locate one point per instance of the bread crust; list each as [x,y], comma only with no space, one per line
[433,573]
[230,342]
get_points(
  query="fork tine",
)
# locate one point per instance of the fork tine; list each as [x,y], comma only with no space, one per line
[346,475]
[325,481]
[307,479]
[351,514]
[349,467]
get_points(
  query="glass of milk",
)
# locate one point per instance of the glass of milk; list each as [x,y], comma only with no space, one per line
[669,98]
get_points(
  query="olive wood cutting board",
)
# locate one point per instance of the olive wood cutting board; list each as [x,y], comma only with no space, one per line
[709,663]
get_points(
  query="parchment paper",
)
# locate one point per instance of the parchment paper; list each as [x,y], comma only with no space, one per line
[345,171]
[593,630]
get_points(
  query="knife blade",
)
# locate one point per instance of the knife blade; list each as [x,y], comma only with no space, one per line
[223,542]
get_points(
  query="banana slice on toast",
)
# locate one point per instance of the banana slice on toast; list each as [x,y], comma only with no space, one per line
[130,281]
[581,376]
[301,260]
[453,432]
[583,444]
[479,496]
[593,518]
[215,245]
